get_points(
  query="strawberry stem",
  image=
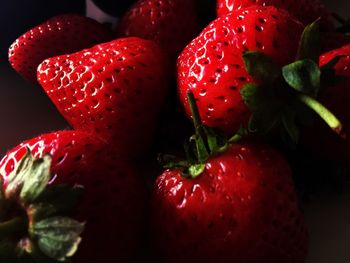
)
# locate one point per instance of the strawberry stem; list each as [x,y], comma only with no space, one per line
[201,139]
[332,121]
[195,112]
[13,226]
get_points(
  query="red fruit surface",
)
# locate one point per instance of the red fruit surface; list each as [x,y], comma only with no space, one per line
[113,199]
[336,98]
[59,35]
[211,66]
[306,11]
[242,208]
[170,23]
[115,89]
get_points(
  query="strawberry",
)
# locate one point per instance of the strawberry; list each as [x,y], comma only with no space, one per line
[170,23]
[112,201]
[336,98]
[236,204]
[115,89]
[59,35]
[211,66]
[305,11]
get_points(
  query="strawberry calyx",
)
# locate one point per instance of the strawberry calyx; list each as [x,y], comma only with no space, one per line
[205,143]
[34,222]
[281,98]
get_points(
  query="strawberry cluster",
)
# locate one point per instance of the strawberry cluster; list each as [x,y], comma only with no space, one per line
[258,91]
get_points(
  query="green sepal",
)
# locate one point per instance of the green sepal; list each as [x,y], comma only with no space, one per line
[217,142]
[58,199]
[264,106]
[264,120]
[260,66]
[57,237]
[251,95]
[29,252]
[17,176]
[171,162]
[205,143]
[190,151]
[38,176]
[304,76]
[195,170]
[241,133]
[30,178]
[291,128]
[309,46]
[202,151]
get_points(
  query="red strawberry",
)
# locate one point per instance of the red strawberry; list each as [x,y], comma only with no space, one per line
[211,66]
[112,204]
[170,23]
[305,11]
[240,207]
[115,89]
[58,35]
[336,98]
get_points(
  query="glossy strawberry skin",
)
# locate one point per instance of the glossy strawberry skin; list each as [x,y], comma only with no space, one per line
[115,89]
[336,98]
[59,35]
[211,66]
[170,23]
[243,208]
[113,199]
[306,11]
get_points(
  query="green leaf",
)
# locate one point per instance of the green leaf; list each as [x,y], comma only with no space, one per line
[309,46]
[241,133]
[303,76]
[266,118]
[251,96]
[265,107]
[63,199]
[36,179]
[259,124]
[290,126]
[190,151]
[57,237]
[216,141]
[172,162]
[196,170]
[202,152]
[17,176]
[260,66]
[29,252]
